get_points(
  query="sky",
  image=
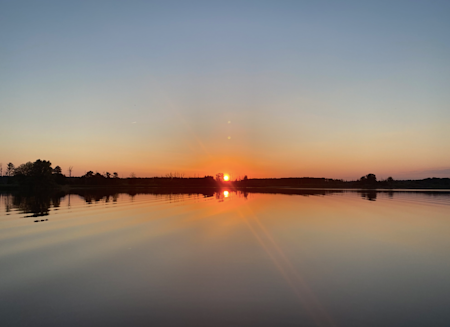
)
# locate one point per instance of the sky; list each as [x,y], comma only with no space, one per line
[335,89]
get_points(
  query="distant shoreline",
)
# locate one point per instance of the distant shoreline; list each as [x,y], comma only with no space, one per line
[58,181]
[252,189]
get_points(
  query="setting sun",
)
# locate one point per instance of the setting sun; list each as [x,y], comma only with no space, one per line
[226,178]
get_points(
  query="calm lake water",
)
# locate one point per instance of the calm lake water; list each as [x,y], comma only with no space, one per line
[226,259]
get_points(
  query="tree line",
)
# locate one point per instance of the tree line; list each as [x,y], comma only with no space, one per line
[31,174]
[40,174]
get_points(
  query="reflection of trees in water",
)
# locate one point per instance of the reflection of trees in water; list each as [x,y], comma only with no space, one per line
[8,201]
[95,196]
[165,194]
[175,197]
[220,197]
[37,204]
[56,200]
[224,194]
[369,195]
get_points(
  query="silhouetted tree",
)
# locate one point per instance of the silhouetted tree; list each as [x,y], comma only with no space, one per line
[93,179]
[37,175]
[219,177]
[42,173]
[388,182]
[370,180]
[10,169]
[115,175]
[175,175]
[70,171]
[58,177]
[98,179]
[24,170]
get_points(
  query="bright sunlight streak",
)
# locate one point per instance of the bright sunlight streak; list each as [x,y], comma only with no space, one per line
[225,194]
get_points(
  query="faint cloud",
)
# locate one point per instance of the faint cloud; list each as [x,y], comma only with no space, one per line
[421,174]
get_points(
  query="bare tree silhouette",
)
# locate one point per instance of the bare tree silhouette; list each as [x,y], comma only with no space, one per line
[174,175]
[219,177]
[10,169]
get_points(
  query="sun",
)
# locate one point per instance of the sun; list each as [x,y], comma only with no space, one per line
[226,178]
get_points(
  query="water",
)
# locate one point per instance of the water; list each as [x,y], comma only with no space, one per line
[225,259]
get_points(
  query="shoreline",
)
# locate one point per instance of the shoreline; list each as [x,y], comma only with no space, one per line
[195,189]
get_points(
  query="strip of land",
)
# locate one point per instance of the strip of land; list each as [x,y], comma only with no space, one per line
[280,184]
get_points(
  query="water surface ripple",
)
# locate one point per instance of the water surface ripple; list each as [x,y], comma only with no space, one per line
[225,258]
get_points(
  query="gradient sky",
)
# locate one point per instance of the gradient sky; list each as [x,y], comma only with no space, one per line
[332,89]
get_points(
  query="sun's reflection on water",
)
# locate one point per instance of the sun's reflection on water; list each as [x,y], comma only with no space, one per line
[232,253]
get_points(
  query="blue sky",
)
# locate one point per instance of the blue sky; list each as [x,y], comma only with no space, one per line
[264,88]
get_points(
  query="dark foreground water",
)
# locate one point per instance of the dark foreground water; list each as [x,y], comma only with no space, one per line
[225,259]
